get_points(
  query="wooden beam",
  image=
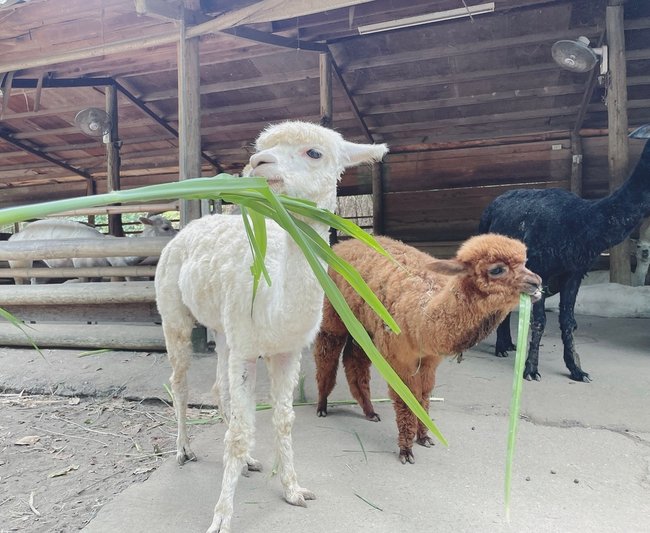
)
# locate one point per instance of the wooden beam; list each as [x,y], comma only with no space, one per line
[72,272]
[78,293]
[6,86]
[95,336]
[62,83]
[160,121]
[189,118]
[38,153]
[351,101]
[326,110]
[263,11]
[67,248]
[576,163]
[378,199]
[113,159]
[159,9]
[276,40]
[109,209]
[618,154]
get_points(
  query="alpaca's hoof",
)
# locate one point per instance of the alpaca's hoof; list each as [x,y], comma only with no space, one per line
[322,411]
[502,351]
[298,496]
[252,465]
[185,454]
[579,375]
[425,441]
[373,417]
[220,524]
[531,374]
[406,456]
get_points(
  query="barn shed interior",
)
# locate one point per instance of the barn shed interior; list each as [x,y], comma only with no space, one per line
[470,96]
[470,106]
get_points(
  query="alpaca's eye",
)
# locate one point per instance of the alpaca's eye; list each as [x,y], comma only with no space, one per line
[496,271]
[314,154]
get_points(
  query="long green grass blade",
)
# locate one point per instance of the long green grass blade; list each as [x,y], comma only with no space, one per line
[255,225]
[350,274]
[194,188]
[517,380]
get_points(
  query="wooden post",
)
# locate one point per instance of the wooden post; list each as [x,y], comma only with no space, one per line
[378,199]
[189,119]
[576,163]
[326,111]
[618,156]
[113,159]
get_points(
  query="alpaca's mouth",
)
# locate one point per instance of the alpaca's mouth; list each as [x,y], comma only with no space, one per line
[535,293]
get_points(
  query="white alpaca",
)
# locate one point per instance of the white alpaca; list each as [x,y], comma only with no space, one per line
[55,229]
[203,275]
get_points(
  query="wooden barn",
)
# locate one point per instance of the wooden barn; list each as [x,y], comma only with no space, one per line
[466,93]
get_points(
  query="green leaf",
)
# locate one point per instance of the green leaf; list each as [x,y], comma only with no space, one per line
[517,380]
[349,273]
[17,323]
[257,241]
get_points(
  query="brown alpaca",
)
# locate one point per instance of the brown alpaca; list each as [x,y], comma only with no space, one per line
[443,307]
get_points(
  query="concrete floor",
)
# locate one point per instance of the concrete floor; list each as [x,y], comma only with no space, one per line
[582,461]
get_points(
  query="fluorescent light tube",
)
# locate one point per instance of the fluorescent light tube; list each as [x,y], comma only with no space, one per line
[426,19]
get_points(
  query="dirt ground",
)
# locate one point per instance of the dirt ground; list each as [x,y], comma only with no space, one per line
[63,458]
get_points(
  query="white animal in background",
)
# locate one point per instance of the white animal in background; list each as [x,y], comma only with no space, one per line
[203,276]
[56,229]
[642,262]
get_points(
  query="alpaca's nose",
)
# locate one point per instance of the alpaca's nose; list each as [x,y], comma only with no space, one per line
[262,158]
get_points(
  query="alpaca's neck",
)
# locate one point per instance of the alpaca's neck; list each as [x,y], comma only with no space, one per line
[293,283]
[616,215]
[461,317]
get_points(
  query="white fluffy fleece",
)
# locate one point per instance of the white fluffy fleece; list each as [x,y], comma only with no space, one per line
[204,275]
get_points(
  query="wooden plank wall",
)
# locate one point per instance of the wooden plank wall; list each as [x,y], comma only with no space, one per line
[439,203]
[434,199]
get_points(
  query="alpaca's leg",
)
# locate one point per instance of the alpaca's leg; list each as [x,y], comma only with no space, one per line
[221,390]
[178,331]
[407,422]
[239,437]
[504,339]
[27,263]
[327,350]
[568,325]
[283,372]
[427,380]
[538,324]
[357,371]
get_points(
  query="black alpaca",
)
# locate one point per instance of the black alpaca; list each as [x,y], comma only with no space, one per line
[564,235]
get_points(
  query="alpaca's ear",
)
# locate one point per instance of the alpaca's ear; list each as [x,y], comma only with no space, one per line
[146,220]
[356,154]
[446,267]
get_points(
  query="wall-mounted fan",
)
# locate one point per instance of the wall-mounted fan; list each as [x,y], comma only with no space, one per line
[93,121]
[578,56]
